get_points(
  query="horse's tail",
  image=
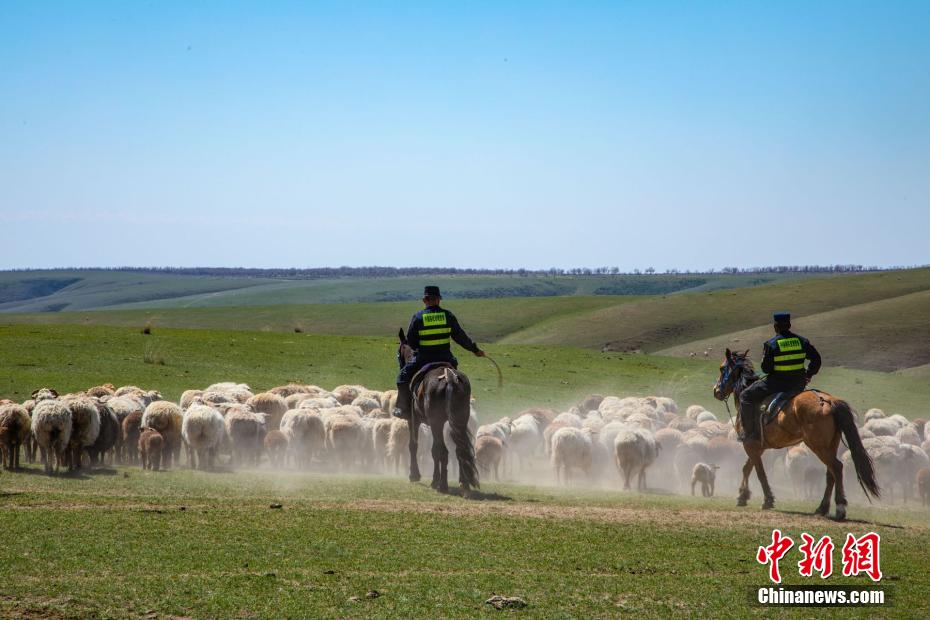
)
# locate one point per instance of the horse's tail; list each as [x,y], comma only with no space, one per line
[865,471]
[461,437]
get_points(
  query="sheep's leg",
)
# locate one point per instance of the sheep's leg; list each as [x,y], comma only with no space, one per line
[693,482]
[744,492]
[711,489]
[414,475]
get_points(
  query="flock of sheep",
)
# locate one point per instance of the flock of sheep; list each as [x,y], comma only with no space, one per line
[607,441]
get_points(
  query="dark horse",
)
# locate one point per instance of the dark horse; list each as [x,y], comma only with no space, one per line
[816,418]
[443,394]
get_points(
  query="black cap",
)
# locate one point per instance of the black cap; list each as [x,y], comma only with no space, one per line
[782,317]
[432,291]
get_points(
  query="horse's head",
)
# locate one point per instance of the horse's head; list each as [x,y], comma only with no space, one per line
[733,366]
[405,352]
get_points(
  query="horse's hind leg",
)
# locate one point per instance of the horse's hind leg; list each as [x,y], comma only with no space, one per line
[769,501]
[412,445]
[744,492]
[440,458]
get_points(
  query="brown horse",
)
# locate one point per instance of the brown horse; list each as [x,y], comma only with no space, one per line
[816,418]
[443,395]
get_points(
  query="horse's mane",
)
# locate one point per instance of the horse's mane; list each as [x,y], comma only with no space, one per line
[748,375]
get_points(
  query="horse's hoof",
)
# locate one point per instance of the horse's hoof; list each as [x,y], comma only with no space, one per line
[741,502]
[768,504]
[414,478]
[821,511]
[841,512]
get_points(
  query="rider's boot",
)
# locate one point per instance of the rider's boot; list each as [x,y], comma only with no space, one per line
[747,420]
[402,408]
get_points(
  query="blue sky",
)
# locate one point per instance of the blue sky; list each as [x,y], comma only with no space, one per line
[514,134]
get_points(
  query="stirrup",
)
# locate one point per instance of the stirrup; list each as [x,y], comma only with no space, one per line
[400,414]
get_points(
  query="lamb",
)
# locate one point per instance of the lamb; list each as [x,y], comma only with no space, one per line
[571,449]
[51,427]
[272,405]
[692,450]
[151,447]
[489,452]
[246,435]
[15,426]
[108,435]
[132,428]
[276,447]
[203,430]
[634,451]
[923,485]
[706,474]
[85,426]
[305,435]
[166,418]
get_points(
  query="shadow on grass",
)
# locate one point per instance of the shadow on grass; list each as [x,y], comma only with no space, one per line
[798,513]
[477,495]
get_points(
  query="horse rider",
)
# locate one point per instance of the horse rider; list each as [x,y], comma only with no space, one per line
[429,335]
[783,362]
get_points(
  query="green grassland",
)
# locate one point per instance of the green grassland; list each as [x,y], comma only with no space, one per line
[877,321]
[72,357]
[125,543]
[64,290]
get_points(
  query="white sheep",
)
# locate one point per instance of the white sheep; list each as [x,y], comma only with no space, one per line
[272,405]
[873,414]
[51,428]
[246,432]
[634,451]
[525,438]
[908,435]
[706,474]
[305,435]
[705,416]
[571,449]
[798,459]
[882,427]
[203,430]
[85,426]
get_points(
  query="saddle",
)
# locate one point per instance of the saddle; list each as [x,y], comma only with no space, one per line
[417,379]
[773,405]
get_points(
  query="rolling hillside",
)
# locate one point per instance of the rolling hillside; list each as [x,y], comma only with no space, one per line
[890,334]
[63,290]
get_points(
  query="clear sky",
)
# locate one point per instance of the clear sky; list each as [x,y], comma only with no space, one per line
[471,134]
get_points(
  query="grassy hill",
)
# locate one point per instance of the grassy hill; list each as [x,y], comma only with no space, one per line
[889,334]
[72,357]
[658,323]
[63,290]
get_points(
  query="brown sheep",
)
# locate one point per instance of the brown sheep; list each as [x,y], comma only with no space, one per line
[276,447]
[489,451]
[923,485]
[273,406]
[166,418]
[99,391]
[132,428]
[15,425]
[151,446]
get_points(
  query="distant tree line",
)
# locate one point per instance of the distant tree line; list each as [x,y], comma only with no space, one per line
[386,272]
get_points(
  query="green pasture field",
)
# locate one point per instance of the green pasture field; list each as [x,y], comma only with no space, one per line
[123,543]
[74,357]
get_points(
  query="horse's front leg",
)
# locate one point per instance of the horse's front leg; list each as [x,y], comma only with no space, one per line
[744,492]
[412,444]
